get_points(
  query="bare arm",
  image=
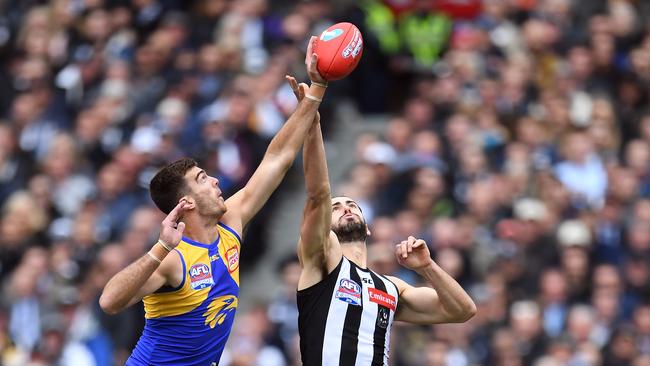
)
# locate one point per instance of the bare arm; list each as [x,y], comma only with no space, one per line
[444,302]
[146,275]
[279,155]
[317,215]
[131,284]
[316,239]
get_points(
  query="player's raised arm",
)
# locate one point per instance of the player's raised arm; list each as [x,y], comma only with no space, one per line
[317,215]
[151,271]
[445,302]
[280,154]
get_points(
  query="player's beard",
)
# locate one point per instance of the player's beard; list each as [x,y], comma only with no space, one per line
[208,208]
[351,231]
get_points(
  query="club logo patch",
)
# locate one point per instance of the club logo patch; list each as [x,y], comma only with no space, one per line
[232,257]
[331,34]
[200,276]
[354,47]
[382,317]
[349,291]
[219,309]
[382,298]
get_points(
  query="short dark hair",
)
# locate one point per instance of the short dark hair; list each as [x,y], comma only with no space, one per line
[169,185]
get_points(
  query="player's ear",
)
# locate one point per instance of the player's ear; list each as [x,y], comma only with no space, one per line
[368,230]
[189,201]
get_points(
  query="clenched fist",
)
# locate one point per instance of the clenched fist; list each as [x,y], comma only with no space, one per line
[413,253]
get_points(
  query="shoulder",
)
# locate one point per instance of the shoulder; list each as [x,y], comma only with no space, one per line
[171,261]
[172,267]
[224,228]
[232,219]
[399,283]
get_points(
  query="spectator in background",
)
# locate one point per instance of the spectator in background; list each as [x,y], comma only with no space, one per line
[526,322]
[15,166]
[582,172]
[283,312]
[574,239]
[553,290]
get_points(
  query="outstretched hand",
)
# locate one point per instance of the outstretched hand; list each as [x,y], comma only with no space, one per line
[311,61]
[299,90]
[413,253]
[171,232]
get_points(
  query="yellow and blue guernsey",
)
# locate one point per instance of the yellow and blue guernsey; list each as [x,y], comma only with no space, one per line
[189,324]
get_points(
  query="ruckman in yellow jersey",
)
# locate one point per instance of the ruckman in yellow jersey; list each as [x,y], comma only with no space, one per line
[189,280]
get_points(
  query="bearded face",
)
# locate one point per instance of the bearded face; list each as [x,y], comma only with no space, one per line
[347,220]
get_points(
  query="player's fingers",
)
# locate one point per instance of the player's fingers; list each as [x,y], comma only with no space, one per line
[314,62]
[418,243]
[398,250]
[409,247]
[411,239]
[296,91]
[302,90]
[175,212]
[310,47]
[292,83]
[181,227]
[405,253]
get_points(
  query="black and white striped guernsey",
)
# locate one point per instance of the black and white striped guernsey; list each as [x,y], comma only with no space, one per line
[346,318]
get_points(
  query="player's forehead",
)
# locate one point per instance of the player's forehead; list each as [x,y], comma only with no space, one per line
[193,172]
[343,200]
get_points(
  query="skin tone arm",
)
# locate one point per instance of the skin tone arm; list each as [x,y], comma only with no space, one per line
[280,154]
[146,275]
[444,302]
[314,243]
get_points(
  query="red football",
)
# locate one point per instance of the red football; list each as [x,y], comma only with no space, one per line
[339,50]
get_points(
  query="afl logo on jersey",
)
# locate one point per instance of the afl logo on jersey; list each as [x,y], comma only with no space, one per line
[232,257]
[200,276]
[349,291]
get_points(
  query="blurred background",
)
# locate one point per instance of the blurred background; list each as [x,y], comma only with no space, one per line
[512,135]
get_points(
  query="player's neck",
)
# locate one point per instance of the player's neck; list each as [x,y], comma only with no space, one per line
[356,252]
[202,229]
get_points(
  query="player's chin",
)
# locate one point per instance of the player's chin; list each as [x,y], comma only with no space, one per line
[221,206]
[350,220]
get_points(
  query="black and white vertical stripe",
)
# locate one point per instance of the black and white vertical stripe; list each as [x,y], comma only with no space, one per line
[334,332]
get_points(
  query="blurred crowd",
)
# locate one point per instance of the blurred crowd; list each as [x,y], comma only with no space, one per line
[517,146]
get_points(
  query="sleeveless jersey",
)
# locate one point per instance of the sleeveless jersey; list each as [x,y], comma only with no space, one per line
[346,318]
[190,324]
